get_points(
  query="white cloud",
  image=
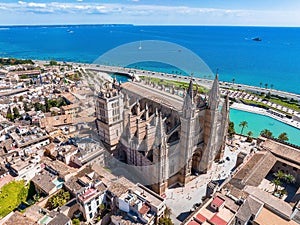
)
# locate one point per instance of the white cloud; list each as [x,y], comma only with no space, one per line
[150,14]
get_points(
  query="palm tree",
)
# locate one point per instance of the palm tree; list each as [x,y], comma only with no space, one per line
[283,137]
[289,178]
[266,133]
[272,85]
[249,137]
[250,133]
[260,84]
[279,175]
[233,80]
[276,183]
[266,85]
[243,124]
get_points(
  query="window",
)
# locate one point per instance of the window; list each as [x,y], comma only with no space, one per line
[283,164]
[295,169]
[90,208]
[91,215]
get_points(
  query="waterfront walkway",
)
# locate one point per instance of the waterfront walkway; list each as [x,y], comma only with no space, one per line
[265,112]
[251,97]
[201,81]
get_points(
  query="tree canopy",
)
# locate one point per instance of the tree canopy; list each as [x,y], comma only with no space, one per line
[266,133]
[11,196]
[61,198]
[231,130]
[283,137]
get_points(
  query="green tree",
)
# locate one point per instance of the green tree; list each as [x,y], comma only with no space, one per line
[243,124]
[59,199]
[165,221]
[283,137]
[25,107]
[289,179]
[10,116]
[276,183]
[53,102]
[168,212]
[279,175]
[266,85]
[249,136]
[76,221]
[231,130]
[233,80]
[266,133]
[47,105]
[16,112]
[52,63]
[39,107]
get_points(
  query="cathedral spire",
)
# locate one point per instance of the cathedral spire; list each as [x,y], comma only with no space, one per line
[190,89]
[188,102]
[214,94]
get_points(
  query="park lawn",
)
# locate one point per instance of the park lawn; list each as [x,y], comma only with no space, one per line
[286,104]
[179,84]
[277,101]
[265,105]
[11,195]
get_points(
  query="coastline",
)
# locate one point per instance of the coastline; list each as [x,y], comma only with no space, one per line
[201,81]
[168,76]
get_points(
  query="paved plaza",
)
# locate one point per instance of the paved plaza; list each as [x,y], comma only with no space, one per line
[181,200]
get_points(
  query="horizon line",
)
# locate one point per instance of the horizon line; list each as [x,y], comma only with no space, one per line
[131,24]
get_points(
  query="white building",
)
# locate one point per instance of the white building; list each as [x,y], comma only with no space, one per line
[90,200]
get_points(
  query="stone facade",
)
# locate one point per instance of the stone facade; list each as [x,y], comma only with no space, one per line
[165,136]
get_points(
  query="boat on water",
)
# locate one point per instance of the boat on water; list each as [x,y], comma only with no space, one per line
[70,31]
[256,39]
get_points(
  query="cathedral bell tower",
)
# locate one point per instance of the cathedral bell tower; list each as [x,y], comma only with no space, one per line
[187,135]
[109,113]
[211,128]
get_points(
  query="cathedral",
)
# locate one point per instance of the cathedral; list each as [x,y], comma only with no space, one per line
[165,133]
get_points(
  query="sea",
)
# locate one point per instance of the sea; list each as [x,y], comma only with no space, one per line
[272,62]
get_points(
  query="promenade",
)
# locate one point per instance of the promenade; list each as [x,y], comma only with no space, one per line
[201,81]
[193,191]
[265,112]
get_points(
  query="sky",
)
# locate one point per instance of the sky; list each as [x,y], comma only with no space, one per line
[152,12]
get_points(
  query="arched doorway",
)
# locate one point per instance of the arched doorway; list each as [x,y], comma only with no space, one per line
[196,162]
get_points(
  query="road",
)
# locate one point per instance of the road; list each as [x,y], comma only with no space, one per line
[201,81]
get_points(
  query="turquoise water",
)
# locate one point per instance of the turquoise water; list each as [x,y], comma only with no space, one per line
[257,123]
[274,60]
